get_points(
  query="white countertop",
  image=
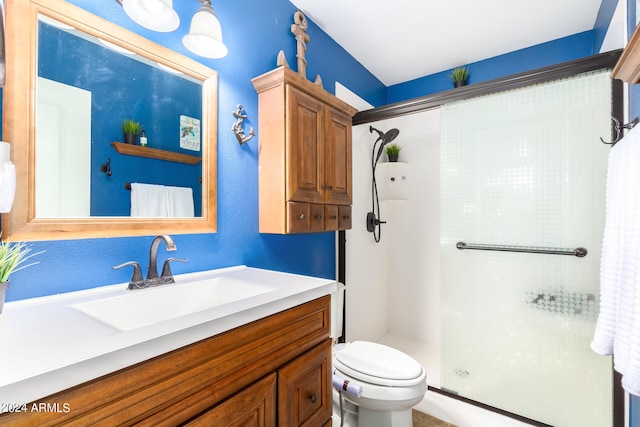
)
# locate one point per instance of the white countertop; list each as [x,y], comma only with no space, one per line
[47,346]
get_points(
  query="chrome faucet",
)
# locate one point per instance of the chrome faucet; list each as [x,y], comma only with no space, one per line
[152,272]
[137,282]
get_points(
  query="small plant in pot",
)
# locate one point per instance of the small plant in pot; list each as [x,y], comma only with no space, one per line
[12,259]
[459,76]
[393,151]
[131,129]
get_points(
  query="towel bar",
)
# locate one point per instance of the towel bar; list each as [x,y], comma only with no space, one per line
[578,252]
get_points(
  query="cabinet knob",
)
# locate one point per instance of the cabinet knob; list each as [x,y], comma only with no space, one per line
[313,398]
[345,216]
[334,216]
[318,217]
[301,217]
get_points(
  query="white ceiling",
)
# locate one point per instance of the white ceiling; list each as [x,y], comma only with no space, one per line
[400,40]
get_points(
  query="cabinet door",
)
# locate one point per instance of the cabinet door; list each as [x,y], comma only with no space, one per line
[254,406]
[337,155]
[304,147]
[304,389]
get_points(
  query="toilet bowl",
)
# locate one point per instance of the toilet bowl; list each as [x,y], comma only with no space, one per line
[377,385]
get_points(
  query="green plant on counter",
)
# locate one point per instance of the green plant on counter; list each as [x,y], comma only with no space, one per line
[12,258]
[131,127]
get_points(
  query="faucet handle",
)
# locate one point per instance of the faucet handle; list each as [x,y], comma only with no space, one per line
[137,281]
[167,276]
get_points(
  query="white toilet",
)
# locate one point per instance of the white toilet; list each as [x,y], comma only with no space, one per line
[374,385]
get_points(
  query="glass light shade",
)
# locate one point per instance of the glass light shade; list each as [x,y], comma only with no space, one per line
[156,15]
[205,35]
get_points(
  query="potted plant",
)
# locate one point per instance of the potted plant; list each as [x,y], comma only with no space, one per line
[393,151]
[12,258]
[459,76]
[131,129]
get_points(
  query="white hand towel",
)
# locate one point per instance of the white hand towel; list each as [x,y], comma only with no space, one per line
[619,314]
[179,202]
[148,200]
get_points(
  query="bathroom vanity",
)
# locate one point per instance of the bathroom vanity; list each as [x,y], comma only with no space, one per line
[266,361]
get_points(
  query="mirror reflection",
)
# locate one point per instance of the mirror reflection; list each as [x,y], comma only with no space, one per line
[85,89]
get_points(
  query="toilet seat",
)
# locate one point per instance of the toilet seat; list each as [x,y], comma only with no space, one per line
[379,364]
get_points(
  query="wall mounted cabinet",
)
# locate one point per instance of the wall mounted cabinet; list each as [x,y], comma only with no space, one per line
[304,155]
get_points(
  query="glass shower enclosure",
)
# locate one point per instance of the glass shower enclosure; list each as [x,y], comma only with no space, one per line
[523,176]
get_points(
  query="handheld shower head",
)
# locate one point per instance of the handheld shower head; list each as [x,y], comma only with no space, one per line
[373,217]
[385,137]
[390,136]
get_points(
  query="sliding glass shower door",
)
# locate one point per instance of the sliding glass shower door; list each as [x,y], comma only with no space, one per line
[525,169]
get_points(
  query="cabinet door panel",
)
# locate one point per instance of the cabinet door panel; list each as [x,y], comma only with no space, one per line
[304,388]
[337,158]
[305,147]
[255,406]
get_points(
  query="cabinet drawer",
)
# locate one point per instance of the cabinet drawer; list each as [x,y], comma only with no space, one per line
[298,217]
[304,388]
[317,218]
[344,217]
[254,406]
[331,217]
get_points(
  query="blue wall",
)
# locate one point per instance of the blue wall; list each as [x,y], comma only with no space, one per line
[542,55]
[254,31]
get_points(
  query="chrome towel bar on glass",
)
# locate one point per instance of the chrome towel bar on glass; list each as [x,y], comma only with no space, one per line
[579,252]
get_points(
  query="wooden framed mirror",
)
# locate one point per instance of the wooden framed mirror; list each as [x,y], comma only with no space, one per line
[20,129]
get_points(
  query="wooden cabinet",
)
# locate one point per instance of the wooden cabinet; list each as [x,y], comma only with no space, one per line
[304,155]
[271,372]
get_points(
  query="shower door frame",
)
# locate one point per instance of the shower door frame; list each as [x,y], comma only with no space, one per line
[428,102]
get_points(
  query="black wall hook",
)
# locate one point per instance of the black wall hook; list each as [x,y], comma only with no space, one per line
[618,129]
[106,167]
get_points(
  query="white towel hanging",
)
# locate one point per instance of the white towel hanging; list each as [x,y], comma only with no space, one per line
[148,200]
[618,323]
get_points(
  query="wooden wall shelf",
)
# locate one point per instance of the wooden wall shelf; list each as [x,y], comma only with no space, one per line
[154,153]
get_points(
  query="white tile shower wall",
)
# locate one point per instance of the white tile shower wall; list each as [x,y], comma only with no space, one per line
[412,233]
[366,272]
[526,168]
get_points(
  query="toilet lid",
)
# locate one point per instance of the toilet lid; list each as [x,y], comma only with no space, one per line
[377,360]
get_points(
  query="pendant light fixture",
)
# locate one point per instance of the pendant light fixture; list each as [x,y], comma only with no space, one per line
[156,15]
[205,33]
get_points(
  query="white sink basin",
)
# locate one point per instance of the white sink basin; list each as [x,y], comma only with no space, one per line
[143,307]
